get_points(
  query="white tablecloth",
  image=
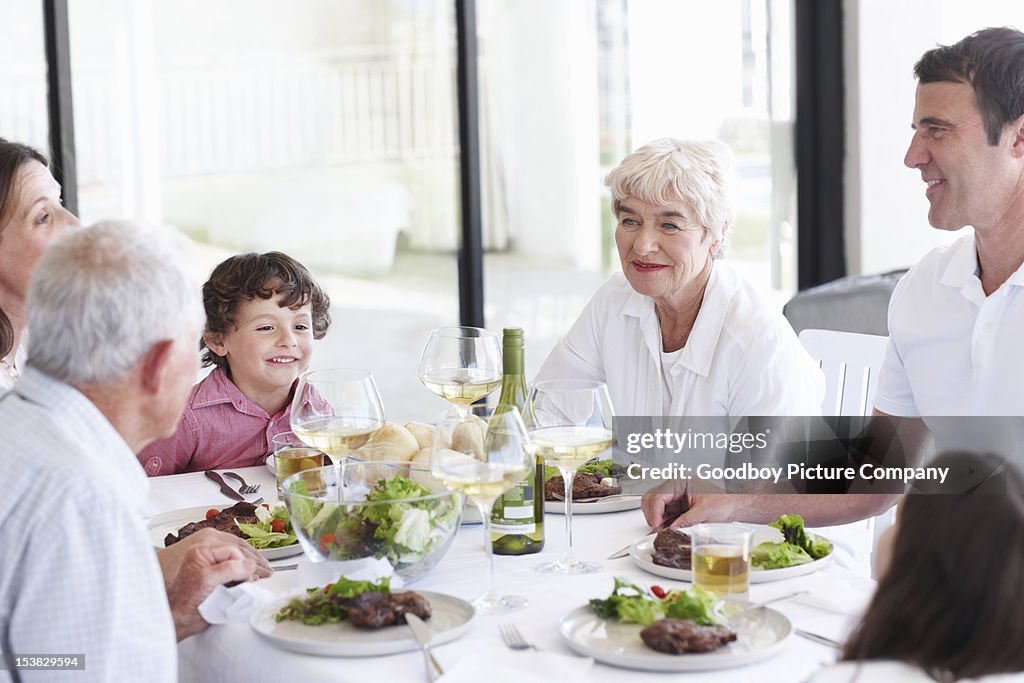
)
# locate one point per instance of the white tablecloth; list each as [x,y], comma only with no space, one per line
[233,652]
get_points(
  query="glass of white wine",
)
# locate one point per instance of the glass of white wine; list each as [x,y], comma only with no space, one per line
[461,365]
[336,411]
[572,426]
[482,460]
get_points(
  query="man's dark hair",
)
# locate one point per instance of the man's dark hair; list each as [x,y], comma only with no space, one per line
[991,61]
[247,276]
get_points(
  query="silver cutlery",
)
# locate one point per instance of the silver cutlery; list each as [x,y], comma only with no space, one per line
[721,608]
[787,596]
[595,499]
[513,639]
[821,640]
[245,487]
[224,488]
[621,552]
[624,551]
[284,567]
[423,633]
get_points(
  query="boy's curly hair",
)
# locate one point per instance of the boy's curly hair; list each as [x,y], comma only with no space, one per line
[247,276]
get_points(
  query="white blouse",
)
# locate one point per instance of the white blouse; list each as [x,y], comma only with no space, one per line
[741,359]
[9,372]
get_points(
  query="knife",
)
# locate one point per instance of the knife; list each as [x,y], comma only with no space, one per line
[672,512]
[224,488]
[821,640]
[423,633]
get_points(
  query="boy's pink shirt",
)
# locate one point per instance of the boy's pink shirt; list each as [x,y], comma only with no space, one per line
[220,428]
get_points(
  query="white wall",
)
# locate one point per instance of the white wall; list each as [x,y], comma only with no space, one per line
[886,216]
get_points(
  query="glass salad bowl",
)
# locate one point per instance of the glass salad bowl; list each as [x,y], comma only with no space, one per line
[379,512]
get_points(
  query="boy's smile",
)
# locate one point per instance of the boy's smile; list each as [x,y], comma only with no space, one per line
[267,350]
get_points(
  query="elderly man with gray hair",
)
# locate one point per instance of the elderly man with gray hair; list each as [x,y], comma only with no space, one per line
[678,332]
[114,316]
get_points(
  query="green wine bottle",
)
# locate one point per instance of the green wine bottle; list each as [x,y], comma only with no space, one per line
[517,520]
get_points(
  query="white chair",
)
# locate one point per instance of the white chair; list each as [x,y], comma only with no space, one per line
[851,363]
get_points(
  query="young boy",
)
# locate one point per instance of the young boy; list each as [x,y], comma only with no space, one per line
[263,312]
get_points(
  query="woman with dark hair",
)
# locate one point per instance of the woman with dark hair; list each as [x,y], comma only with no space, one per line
[31,216]
[948,603]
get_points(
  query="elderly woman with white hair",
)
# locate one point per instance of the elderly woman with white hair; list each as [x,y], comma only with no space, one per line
[679,332]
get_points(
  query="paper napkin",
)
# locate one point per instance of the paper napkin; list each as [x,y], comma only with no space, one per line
[498,664]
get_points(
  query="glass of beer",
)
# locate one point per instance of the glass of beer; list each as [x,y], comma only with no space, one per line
[291,455]
[721,558]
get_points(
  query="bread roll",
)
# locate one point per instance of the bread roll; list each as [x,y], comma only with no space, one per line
[391,443]
[425,434]
[468,436]
[420,471]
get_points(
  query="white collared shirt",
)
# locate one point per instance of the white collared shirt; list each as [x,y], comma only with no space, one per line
[12,366]
[741,359]
[77,572]
[952,350]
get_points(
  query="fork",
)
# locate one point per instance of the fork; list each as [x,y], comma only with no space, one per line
[245,488]
[513,639]
[594,499]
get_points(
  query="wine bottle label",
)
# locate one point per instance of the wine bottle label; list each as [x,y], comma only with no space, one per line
[513,511]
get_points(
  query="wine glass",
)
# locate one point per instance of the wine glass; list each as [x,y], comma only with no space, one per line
[572,424]
[482,460]
[336,411]
[461,365]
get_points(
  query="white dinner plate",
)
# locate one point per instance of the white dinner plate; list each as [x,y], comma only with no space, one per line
[642,549]
[158,526]
[269,464]
[451,617]
[616,504]
[760,636]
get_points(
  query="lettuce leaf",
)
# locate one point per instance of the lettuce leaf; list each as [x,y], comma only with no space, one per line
[602,467]
[792,528]
[695,604]
[263,538]
[778,555]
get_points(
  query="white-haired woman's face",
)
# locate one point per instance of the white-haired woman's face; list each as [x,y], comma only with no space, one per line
[661,247]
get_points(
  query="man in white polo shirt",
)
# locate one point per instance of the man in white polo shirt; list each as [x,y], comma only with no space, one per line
[956,320]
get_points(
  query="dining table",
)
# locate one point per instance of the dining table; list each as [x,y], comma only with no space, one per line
[832,600]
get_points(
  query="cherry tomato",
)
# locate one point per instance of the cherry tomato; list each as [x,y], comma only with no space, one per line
[212,512]
[658,591]
[277,526]
[326,540]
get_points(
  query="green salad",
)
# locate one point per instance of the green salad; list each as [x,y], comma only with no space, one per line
[603,467]
[329,604]
[273,528]
[631,604]
[404,531]
[798,547]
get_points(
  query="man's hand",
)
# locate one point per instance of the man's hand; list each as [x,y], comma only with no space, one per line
[201,569]
[666,501]
[172,557]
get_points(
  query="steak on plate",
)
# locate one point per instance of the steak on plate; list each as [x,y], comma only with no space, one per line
[584,485]
[672,549]
[679,636]
[374,610]
[222,521]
